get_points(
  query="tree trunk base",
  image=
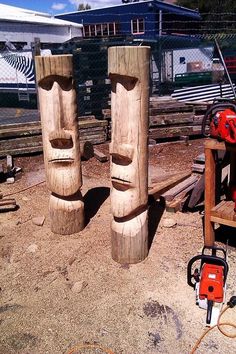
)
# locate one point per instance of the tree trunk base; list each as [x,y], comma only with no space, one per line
[130,239]
[66,213]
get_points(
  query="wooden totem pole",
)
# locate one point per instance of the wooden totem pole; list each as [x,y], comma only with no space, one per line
[128,69]
[58,110]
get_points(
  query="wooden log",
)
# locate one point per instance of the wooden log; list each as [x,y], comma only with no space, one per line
[7,204]
[66,214]
[61,145]
[128,69]
[100,156]
[186,185]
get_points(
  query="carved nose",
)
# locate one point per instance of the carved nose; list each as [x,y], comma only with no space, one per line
[61,139]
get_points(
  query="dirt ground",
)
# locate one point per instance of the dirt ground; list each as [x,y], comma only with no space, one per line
[60,292]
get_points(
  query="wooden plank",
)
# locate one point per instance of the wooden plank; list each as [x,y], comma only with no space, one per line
[197,192]
[196,167]
[210,185]
[20,125]
[100,156]
[159,188]
[20,131]
[174,131]
[171,119]
[22,150]
[214,211]
[183,186]
[92,130]
[223,221]
[159,109]
[92,123]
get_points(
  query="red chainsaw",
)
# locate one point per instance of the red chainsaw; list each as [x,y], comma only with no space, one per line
[209,281]
[222,121]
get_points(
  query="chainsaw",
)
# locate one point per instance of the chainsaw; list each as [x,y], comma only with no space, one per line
[209,281]
[222,120]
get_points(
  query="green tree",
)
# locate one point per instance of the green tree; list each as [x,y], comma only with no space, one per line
[217,15]
[83,7]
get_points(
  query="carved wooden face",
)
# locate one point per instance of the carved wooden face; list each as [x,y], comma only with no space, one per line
[60,134]
[128,148]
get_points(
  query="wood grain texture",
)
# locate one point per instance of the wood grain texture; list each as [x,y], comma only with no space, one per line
[66,214]
[128,69]
[61,145]
[58,111]
[210,185]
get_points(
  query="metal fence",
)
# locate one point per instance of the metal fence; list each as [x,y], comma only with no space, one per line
[177,63]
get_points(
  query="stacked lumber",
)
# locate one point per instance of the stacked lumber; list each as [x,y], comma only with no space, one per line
[7,204]
[198,165]
[169,118]
[22,138]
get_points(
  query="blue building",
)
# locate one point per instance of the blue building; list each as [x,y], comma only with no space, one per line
[145,20]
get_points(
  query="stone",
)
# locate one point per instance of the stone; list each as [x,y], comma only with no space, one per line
[32,248]
[78,286]
[38,220]
[169,222]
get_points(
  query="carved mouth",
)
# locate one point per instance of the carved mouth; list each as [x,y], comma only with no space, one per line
[62,160]
[120,184]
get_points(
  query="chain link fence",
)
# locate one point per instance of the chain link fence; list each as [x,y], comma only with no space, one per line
[177,62]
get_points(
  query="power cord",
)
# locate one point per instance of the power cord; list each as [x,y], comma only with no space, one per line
[230,304]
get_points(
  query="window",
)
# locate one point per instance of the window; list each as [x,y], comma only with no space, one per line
[101,29]
[137,26]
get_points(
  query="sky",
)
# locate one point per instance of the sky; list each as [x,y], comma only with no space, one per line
[60,6]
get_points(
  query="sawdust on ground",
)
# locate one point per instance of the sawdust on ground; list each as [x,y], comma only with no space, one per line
[60,292]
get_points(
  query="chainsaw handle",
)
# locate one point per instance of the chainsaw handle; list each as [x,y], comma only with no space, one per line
[206,259]
[231,138]
[214,250]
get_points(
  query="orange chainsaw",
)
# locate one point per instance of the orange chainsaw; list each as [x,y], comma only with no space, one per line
[222,121]
[209,281]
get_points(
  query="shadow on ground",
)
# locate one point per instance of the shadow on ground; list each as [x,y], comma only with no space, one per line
[93,200]
[155,212]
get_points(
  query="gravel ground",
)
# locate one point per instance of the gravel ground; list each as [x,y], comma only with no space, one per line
[62,292]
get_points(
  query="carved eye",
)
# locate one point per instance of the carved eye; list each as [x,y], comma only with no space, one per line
[62,143]
[121,159]
[61,139]
[66,83]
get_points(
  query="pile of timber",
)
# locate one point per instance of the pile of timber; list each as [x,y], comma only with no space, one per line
[169,118]
[24,138]
[174,191]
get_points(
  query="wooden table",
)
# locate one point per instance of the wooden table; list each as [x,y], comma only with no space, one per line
[222,213]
